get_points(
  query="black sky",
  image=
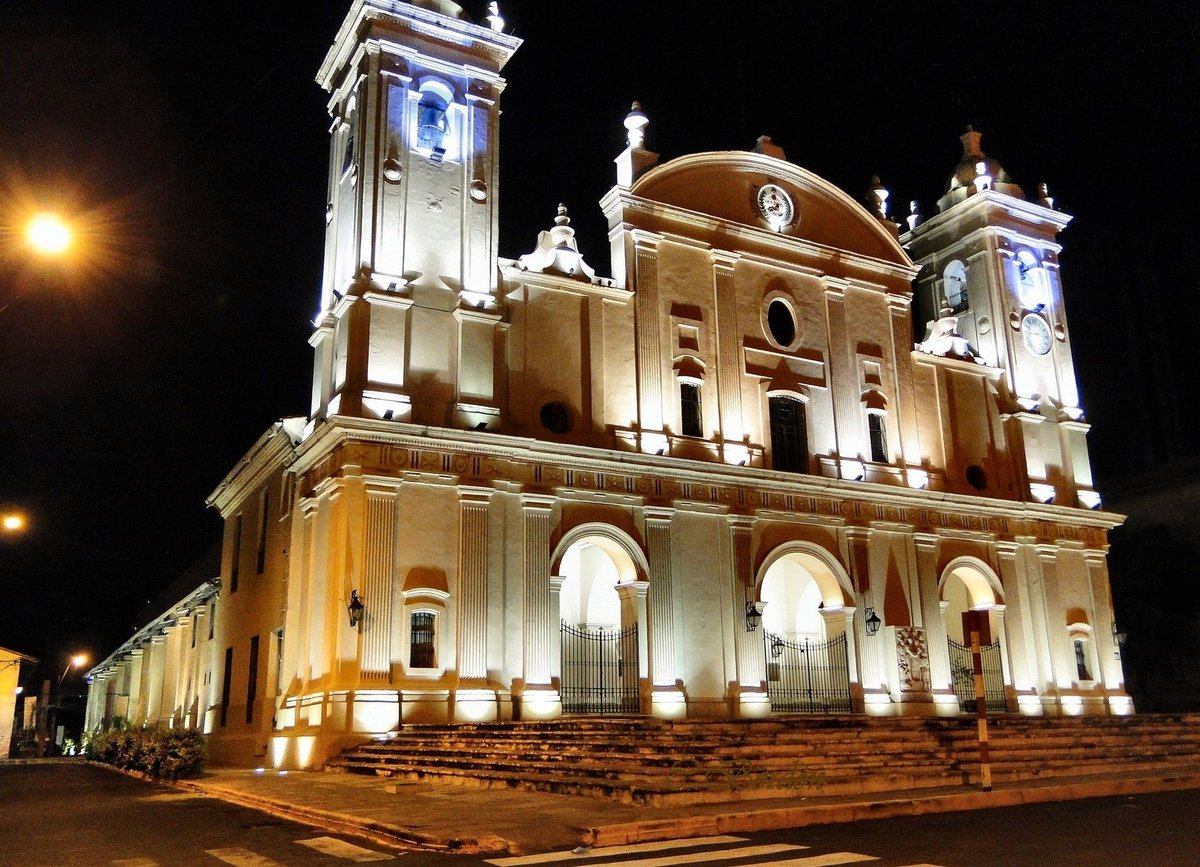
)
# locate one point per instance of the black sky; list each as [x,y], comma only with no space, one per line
[192,139]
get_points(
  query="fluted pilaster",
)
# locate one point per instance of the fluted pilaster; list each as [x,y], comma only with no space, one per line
[472,583]
[541,624]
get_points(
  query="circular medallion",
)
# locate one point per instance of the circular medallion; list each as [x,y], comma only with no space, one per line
[1036,333]
[775,205]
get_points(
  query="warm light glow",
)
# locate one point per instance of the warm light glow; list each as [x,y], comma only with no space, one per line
[13,522]
[79,660]
[48,234]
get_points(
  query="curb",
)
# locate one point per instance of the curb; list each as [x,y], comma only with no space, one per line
[345,823]
[830,814]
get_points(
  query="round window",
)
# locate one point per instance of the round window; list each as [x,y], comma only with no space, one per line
[555,417]
[781,323]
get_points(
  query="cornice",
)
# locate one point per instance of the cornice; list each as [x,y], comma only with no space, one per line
[630,478]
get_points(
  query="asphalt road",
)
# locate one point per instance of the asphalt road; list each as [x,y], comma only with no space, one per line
[78,815]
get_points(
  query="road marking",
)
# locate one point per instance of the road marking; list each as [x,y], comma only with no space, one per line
[634,849]
[135,862]
[829,859]
[701,857]
[341,849]
[239,857]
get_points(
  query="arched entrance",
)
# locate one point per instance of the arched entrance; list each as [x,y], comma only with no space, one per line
[971,599]
[805,634]
[599,628]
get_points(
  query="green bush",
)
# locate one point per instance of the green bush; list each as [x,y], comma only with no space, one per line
[166,753]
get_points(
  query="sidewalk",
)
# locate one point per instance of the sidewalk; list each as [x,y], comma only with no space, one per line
[468,819]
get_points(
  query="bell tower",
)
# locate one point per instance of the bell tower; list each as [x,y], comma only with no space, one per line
[409,319]
[990,259]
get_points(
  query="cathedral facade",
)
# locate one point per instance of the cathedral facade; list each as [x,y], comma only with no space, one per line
[723,482]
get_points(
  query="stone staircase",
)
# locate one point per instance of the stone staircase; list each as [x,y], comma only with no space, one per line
[664,762]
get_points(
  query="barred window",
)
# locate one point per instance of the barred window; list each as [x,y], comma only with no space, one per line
[421,647]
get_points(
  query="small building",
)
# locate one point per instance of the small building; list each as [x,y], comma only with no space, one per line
[14,669]
[728,480]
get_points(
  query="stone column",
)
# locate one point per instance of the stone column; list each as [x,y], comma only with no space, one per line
[1016,595]
[931,613]
[472,585]
[540,624]
[556,583]
[1107,651]
[633,610]
[729,379]
[870,595]
[649,341]
[377,580]
[662,600]
[1001,637]
[749,664]
[1052,640]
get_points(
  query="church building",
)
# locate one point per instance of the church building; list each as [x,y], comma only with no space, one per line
[724,481]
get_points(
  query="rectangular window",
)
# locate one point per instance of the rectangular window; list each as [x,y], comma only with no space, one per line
[195,628]
[234,562]
[789,435]
[421,650]
[263,511]
[691,422]
[879,449]
[212,619]
[226,684]
[252,680]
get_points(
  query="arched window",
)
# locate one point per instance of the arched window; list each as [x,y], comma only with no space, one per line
[433,119]
[954,280]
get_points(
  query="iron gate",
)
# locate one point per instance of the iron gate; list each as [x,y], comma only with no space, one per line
[599,670]
[807,676]
[962,670]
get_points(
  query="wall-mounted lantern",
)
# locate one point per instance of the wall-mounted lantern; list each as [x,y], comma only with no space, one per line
[1118,636]
[753,615]
[355,608]
[776,648]
[872,623]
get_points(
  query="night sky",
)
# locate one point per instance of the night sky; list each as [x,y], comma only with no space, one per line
[188,140]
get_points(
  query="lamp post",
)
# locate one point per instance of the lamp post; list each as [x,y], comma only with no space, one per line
[78,660]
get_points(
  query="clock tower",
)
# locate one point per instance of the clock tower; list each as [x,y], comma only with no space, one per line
[990,259]
[408,316]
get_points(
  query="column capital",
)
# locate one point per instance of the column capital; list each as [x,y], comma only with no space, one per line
[633,589]
[857,533]
[474,495]
[643,240]
[1007,549]
[538,502]
[724,258]
[740,522]
[926,540]
[1095,557]
[657,514]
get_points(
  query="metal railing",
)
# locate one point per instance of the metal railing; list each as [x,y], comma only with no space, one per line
[807,676]
[962,676]
[599,670]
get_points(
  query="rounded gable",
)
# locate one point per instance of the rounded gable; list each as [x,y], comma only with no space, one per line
[729,185]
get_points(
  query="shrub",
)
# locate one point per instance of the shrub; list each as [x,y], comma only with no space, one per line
[166,753]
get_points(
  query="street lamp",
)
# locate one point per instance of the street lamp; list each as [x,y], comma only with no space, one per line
[78,660]
[48,235]
[12,522]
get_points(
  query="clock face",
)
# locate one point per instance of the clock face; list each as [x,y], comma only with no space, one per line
[775,205]
[1036,333]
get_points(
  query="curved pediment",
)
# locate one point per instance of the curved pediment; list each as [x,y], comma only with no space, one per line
[727,185]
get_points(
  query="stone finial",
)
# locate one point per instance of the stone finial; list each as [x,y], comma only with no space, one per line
[877,196]
[1044,197]
[768,148]
[557,252]
[493,18]
[970,142]
[914,215]
[635,124]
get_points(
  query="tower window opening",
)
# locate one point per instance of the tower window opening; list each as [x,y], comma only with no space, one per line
[691,422]
[1081,667]
[878,436]
[433,120]
[955,285]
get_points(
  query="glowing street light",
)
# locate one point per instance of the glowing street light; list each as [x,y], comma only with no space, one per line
[78,660]
[48,234]
[12,522]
